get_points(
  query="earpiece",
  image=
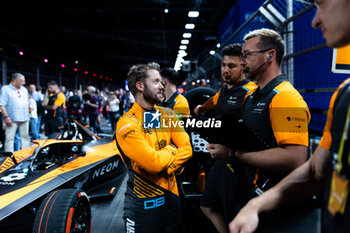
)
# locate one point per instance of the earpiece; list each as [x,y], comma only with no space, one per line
[270,56]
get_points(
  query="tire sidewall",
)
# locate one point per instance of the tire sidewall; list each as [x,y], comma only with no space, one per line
[58,209]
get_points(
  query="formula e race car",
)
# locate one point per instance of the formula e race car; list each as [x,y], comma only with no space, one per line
[48,186]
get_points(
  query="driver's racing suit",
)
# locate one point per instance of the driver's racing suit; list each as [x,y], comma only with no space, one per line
[152,199]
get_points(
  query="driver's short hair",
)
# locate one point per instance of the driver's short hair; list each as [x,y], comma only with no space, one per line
[138,73]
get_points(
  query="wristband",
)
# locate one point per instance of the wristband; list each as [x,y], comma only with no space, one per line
[6,117]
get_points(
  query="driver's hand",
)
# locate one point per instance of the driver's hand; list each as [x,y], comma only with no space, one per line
[196,110]
[246,221]
[218,151]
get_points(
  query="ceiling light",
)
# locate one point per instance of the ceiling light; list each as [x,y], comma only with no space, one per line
[182,52]
[183,47]
[212,52]
[76,62]
[75,69]
[62,65]
[45,60]
[177,65]
[193,14]
[185,41]
[187,35]
[21,53]
[166,10]
[189,26]
[218,45]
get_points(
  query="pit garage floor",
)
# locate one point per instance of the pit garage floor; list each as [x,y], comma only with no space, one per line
[107,216]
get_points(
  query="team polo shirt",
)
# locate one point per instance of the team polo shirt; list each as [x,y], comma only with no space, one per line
[336,139]
[278,113]
[228,101]
[326,140]
[60,100]
[178,103]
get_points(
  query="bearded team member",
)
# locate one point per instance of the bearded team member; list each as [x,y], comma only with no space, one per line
[328,169]
[152,155]
[228,100]
[217,202]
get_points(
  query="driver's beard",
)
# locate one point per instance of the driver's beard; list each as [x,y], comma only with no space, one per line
[150,97]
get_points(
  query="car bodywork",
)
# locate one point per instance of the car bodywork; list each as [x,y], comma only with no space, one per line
[76,159]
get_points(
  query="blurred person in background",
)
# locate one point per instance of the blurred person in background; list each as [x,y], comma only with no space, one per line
[92,109]
[14,107]
[33,118]
[40,109]
[122,101]
[54,102]
[114,110]
[38,98]
[74,106]
[86,96]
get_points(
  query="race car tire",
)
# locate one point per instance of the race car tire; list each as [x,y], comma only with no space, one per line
[200,95]
[64,211]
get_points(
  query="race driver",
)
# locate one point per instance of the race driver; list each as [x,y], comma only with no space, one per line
[152,154]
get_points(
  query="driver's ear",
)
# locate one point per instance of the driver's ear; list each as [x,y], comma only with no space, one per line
[140,86]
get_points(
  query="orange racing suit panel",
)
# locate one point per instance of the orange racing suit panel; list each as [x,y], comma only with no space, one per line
[150,151]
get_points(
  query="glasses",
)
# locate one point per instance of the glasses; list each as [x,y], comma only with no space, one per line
[249,54]
[316,4]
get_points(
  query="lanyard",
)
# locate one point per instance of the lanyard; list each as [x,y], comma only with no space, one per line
[343,160]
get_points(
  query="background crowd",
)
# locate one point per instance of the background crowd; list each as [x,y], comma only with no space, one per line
[30,112]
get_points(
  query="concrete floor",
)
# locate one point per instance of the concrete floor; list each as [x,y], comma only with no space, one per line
[107,217]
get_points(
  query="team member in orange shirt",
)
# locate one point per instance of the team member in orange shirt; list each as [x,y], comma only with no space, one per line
[152,153]
[217,202]
[173,99]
